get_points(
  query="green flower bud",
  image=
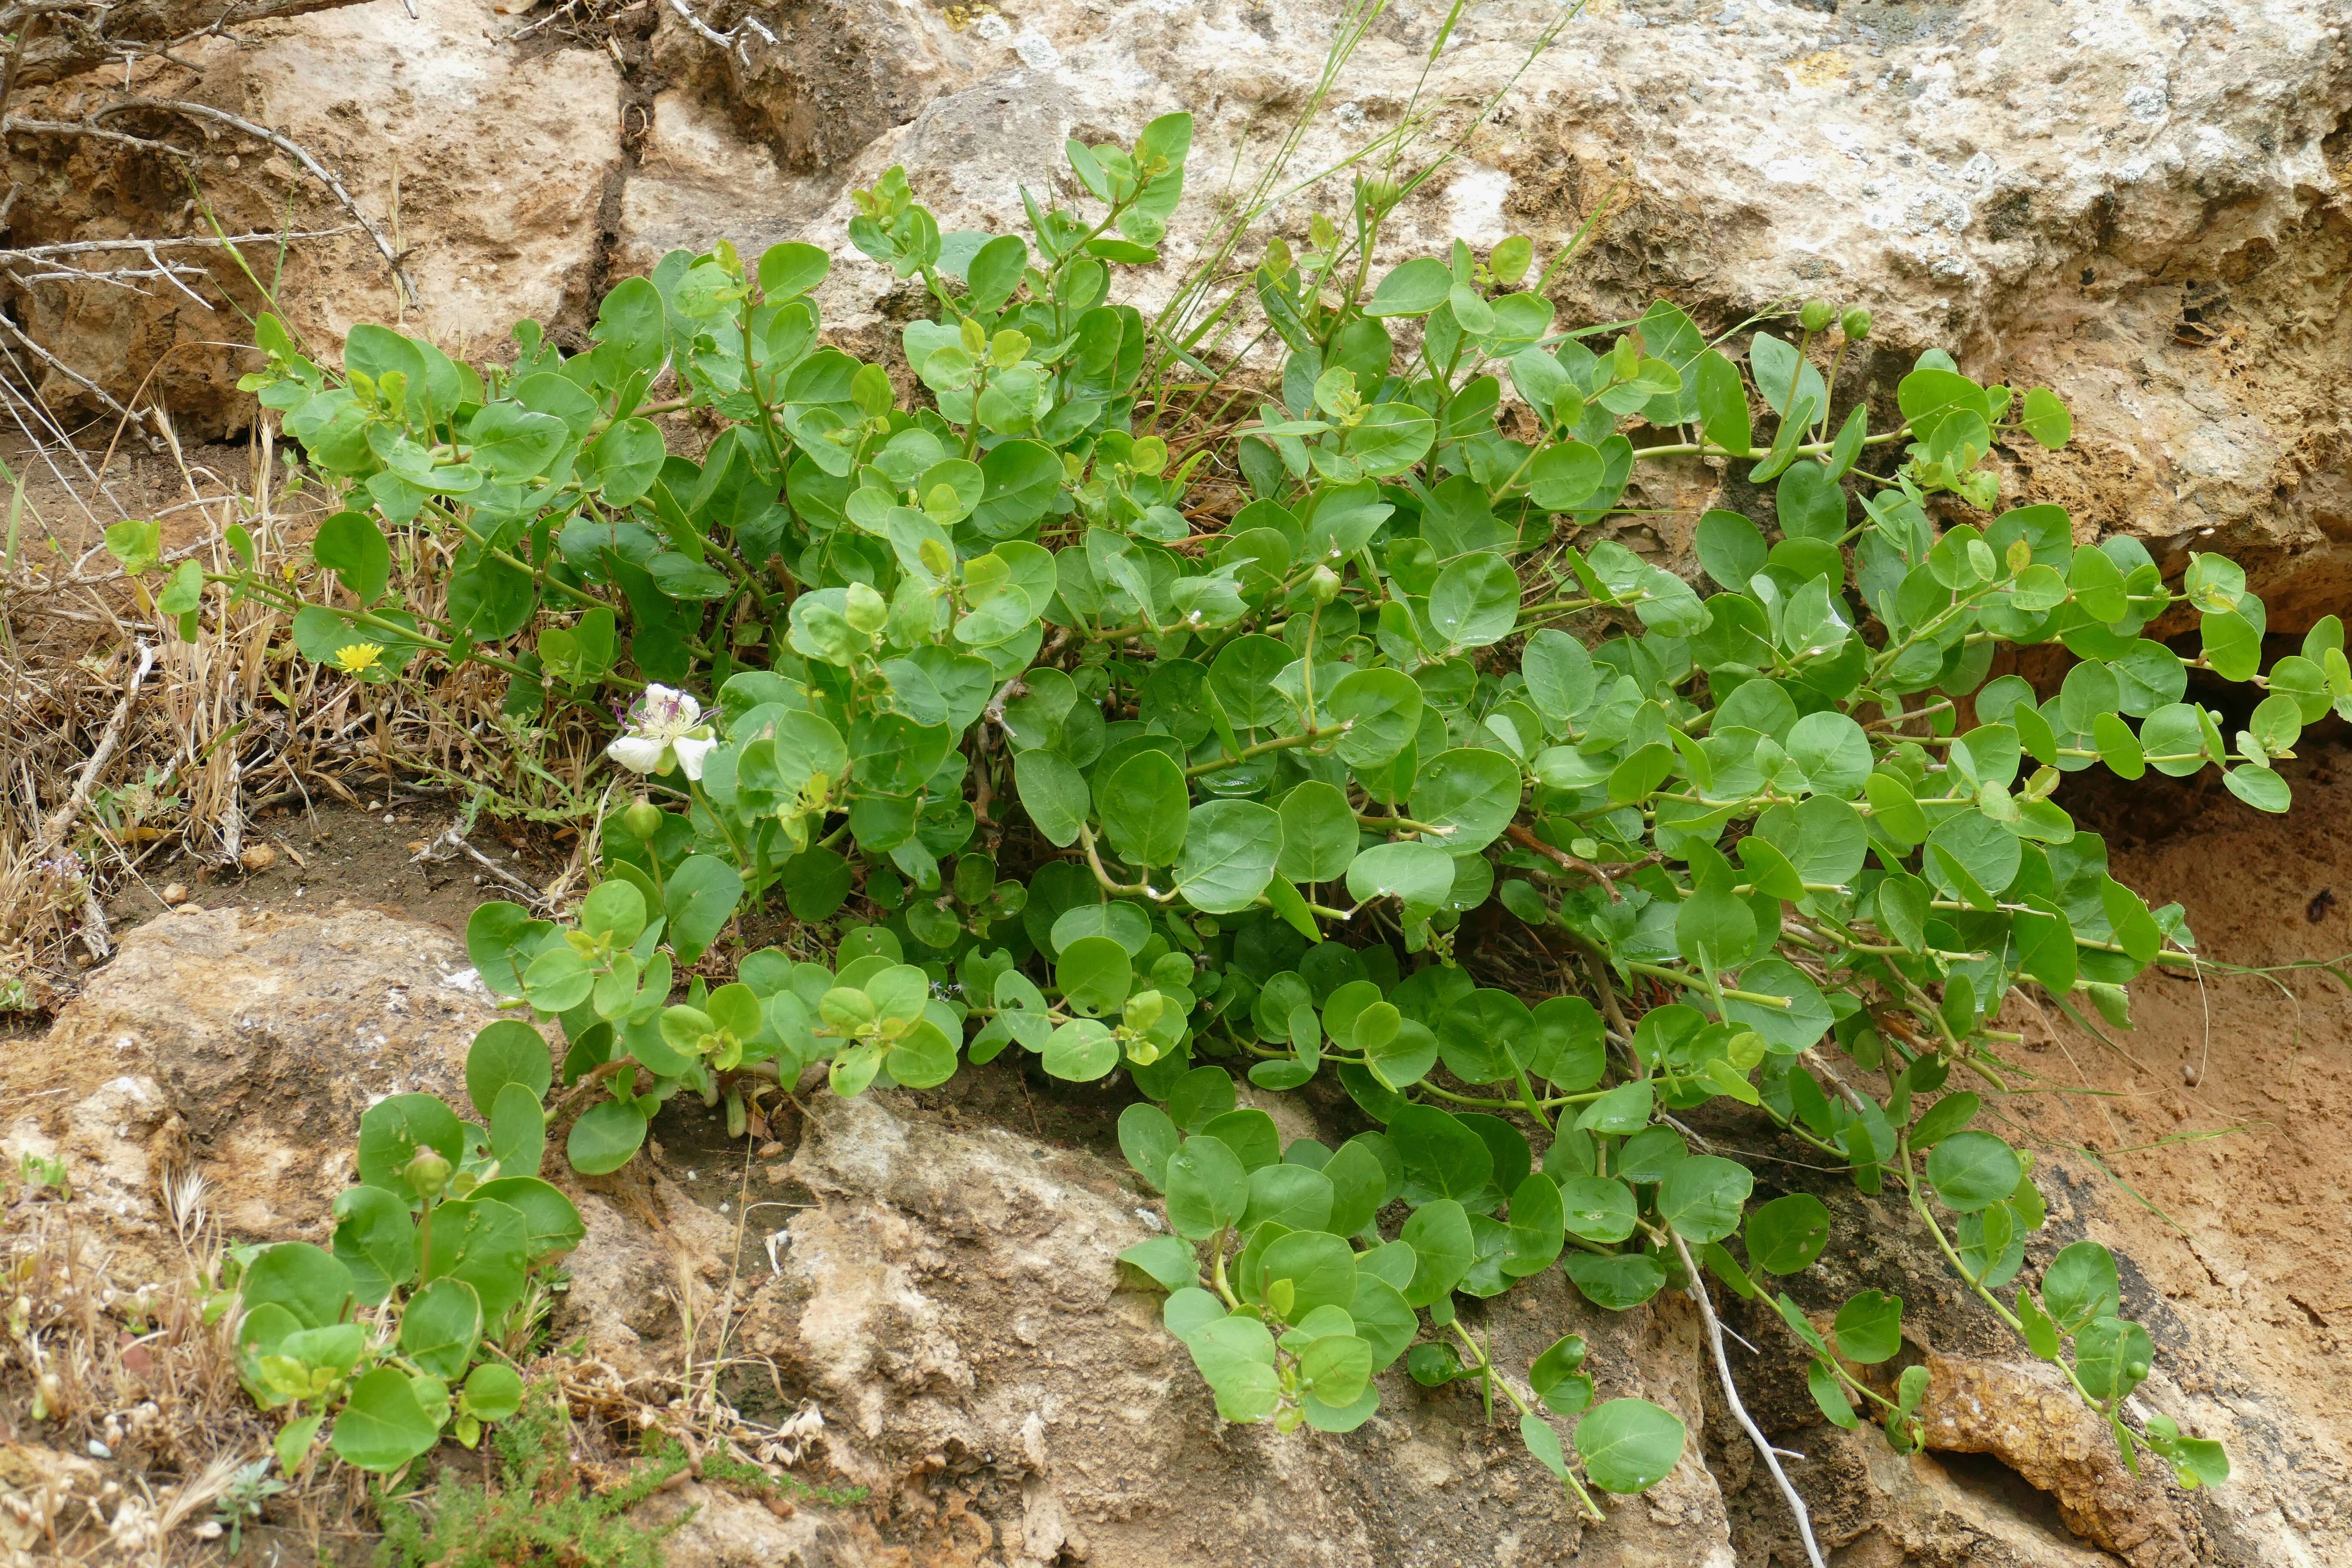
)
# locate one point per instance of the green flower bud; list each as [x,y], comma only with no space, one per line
[1855,324]
[1323,586]
[642,820]
[1817,315]
[427,1172]
[1143,1010]
[866,611]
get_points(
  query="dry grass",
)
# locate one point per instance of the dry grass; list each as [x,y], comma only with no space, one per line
[129,1396]
[223,726]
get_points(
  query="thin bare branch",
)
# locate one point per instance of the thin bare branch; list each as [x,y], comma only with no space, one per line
[1769,1455]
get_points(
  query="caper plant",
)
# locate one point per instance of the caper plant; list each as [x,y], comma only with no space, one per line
[438,1275]
[1141,781]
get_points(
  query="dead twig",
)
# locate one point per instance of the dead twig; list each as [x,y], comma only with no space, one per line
[1764,1450]
[452,843]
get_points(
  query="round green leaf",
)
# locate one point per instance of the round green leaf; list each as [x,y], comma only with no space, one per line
[1472,793]
[1972,1170]
[1617,1283]
[1442,1157]
[1321,1267]
[1628,1445]
[1318,833]
[1786,1235]
[1702,1196]
[1598,1208]
[509,1051]
[1474,601]
[1382,710]
[605,1138]
[1144,808]
[1870,1327]
[440,1326]
[1230,850]
[1207,1188]
[1095,974]
[382,1426]
[1419,875]
[1081,1050]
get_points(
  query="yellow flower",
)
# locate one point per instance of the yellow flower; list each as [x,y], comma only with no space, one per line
[358,658]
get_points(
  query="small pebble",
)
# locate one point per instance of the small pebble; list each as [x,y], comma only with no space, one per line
[176,893]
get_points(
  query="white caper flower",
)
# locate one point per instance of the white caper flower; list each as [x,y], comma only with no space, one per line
[665,729]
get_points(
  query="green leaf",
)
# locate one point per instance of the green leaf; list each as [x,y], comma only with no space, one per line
[1144,809]
[440,1326]
[1167,1260]
[1419,875]
[1443,1158]
[791,270]
[352,544]
[1472,792]
[1054,792]
[1382,710]
[1869,1326]
[303,1280]
[1723,415]
[1822,1384]
[1207,1188]
[482,1242]
[1623,1111]
[382,1426]
[2112,1356]
[1235,1356]
[1318,833]
[392,1129]
[699,898]
[1081,1050]
[1148,1137]
[1230,850]
[2045,418]
[605,1138]
[1617,1283]
[1787,1234]
[1946,1117]
[1598,1208]
[494,1392]
[1415,289]
[1629,1445]
[1474,601]
[1321,1270]
[625,460]
[1095,974]
[1702,1197]
[376,1239]
[1439,1234]
[2080,1284]
[552,1224]
[509,1051]
[1971,1171]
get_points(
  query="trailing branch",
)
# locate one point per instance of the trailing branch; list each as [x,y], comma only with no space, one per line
[83,35]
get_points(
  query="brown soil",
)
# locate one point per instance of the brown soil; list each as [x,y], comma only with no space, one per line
[2248,1247]
[337,852]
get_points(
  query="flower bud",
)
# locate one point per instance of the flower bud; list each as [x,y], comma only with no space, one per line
[427,1172]
[642,820]
[1816,316]
[1323,586]
[1855,324]
[866,611]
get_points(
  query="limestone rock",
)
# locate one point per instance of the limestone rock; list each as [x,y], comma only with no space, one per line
[952,1302]
[244,1047]
[487,165]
